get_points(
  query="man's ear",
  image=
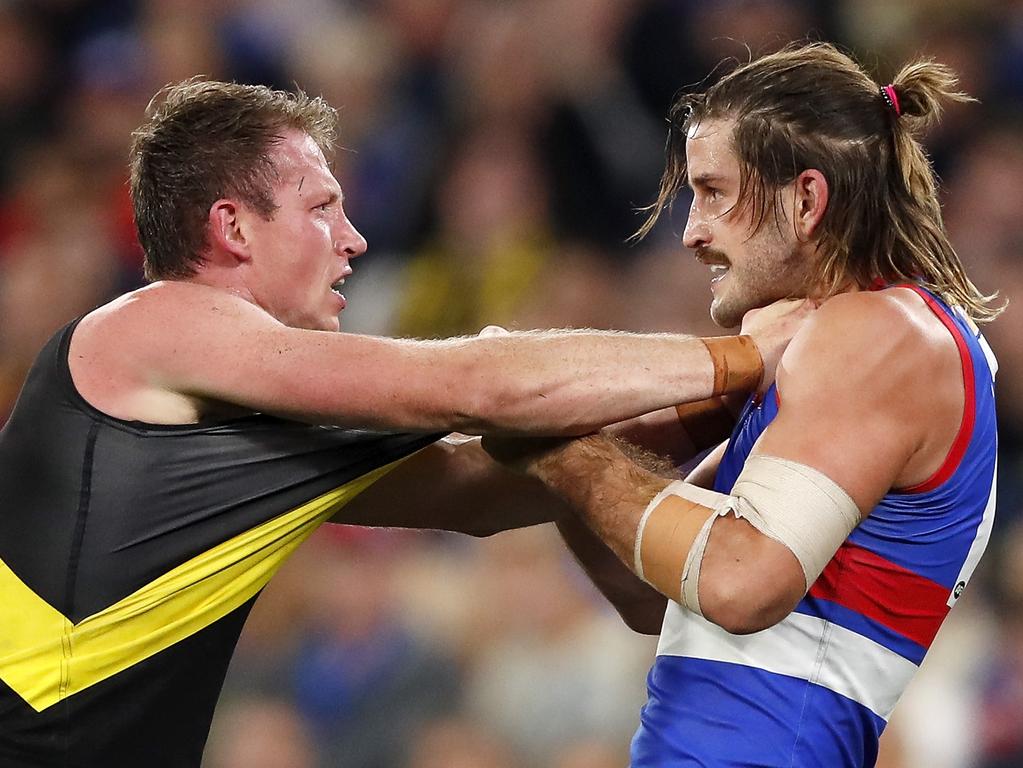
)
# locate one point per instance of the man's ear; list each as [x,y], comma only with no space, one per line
[810,198]
[228,233]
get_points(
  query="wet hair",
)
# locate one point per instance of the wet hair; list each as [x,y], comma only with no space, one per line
[203,140]
[810,106]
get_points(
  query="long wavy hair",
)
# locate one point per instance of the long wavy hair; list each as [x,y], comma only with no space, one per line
[812,106]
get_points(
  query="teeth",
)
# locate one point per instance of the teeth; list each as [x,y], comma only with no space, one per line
[338,284]
[718,269]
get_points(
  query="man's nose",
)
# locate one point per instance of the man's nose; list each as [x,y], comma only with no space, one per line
[697,233]
[350,241]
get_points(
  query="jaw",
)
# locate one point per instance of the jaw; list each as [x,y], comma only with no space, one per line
[727,306]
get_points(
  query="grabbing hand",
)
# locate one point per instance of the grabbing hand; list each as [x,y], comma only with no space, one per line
[772,328]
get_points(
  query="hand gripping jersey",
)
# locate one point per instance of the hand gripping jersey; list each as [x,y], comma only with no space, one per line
[817,689]
[130,555]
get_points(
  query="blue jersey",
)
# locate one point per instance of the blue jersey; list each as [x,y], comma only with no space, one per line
[817,688]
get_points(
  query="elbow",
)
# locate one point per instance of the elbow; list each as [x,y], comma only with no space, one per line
[742,605]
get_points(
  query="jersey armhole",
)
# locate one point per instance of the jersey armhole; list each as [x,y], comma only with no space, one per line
[962,439]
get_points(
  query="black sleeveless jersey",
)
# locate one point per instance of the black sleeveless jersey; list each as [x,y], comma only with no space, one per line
[130,555]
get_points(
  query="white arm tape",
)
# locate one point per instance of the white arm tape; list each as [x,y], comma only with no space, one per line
[691,570]
[797,506]
[786,501]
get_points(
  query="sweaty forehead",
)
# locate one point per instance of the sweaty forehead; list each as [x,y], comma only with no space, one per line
[709,148]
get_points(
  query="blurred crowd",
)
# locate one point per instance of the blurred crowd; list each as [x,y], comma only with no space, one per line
[494,153]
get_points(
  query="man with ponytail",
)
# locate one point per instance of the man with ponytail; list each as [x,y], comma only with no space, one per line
[800,573]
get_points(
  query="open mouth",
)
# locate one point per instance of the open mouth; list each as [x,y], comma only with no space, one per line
[717,272]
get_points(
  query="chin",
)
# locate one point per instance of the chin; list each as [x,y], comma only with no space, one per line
[724,317]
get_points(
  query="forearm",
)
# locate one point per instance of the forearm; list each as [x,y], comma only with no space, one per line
[640,606]
[560,383]
[453,486]
[742,571]
[606,490]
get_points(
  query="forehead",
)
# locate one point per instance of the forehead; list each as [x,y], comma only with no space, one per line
[709,148]
[297,156]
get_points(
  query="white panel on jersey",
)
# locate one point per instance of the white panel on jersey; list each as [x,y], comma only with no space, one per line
[801,646]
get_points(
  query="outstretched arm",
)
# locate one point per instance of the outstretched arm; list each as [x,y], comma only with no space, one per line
[217,347]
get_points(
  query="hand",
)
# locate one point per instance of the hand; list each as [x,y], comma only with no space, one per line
[772,328]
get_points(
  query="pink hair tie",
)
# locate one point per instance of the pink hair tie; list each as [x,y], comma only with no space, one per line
[891,98]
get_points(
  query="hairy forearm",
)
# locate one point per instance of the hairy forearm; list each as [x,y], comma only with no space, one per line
[747,580]
[681,432]
[607,490]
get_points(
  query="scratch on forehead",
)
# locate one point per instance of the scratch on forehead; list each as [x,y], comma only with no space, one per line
[300,183]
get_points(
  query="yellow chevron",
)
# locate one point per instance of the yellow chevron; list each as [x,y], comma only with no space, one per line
[45,658]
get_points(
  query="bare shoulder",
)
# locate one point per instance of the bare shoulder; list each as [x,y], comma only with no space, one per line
[870,337]
[146,321]
[166,305]
[123,354]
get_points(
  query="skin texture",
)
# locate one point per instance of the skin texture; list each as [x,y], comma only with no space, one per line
[849,387]
[292,260]
[256,330]
[754,265]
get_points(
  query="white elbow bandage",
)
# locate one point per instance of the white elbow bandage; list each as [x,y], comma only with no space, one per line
[789,502]
[796,505]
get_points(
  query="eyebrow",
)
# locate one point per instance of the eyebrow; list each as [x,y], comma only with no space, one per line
[704,179]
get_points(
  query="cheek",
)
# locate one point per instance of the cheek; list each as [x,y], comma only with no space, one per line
[322,227]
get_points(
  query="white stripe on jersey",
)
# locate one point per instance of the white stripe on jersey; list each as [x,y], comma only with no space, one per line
[979,543]
[801,646]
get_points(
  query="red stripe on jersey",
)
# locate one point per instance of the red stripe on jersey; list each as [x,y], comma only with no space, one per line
[962,441]
[899,599]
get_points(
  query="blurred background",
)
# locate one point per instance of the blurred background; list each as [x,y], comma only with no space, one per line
[493,154]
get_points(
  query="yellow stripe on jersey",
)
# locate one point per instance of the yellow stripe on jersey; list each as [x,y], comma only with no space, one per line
[45,658]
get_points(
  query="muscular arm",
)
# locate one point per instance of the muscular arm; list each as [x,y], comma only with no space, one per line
[849,410]
[640,605]
[210,345]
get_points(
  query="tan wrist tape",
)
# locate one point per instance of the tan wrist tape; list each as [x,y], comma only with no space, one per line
[738,366]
